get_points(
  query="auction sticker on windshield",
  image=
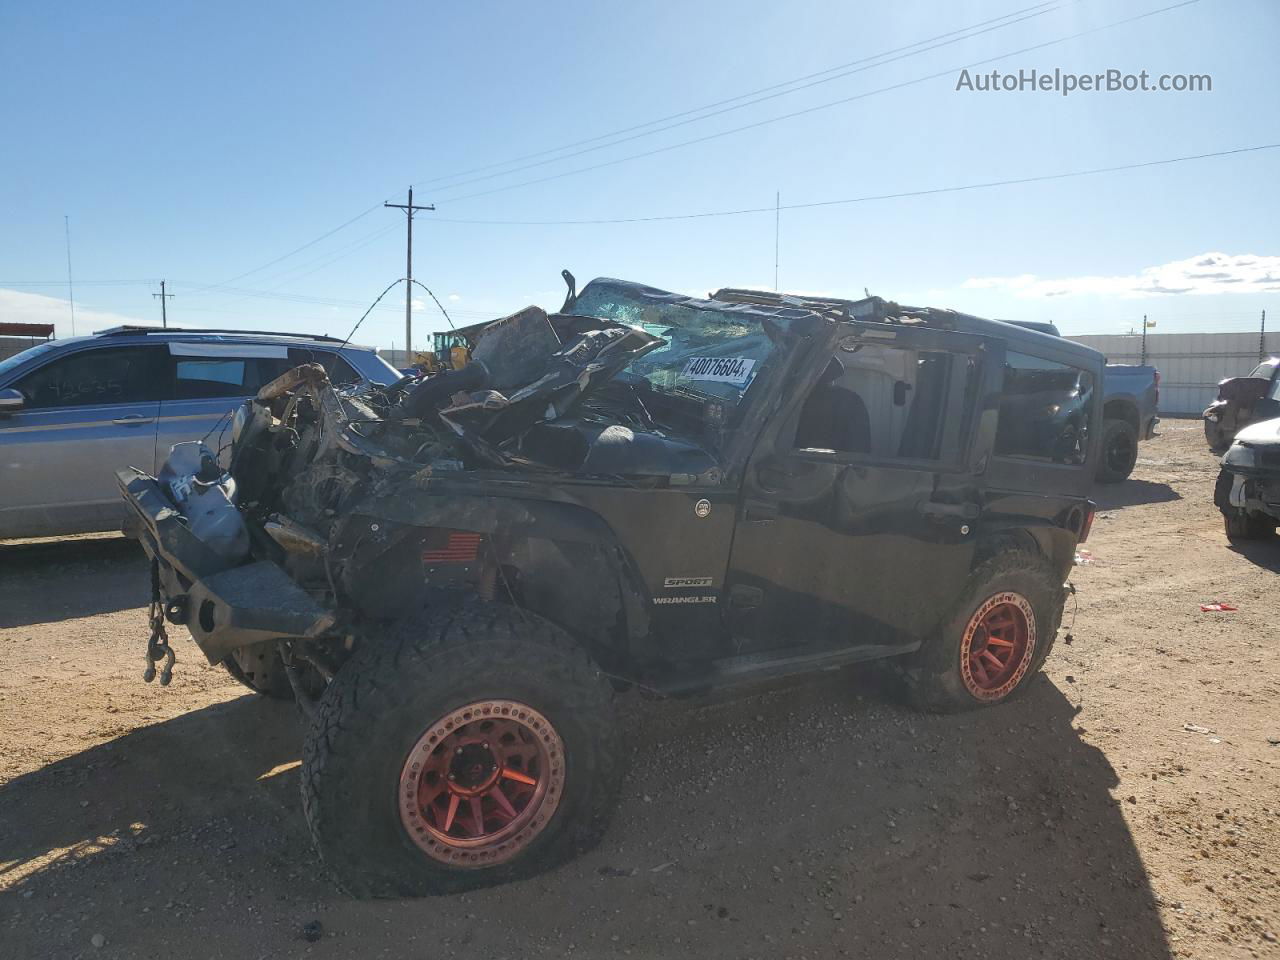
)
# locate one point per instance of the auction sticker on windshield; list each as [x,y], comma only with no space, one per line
[733,370]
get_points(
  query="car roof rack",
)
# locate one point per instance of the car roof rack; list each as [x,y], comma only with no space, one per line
[130,329]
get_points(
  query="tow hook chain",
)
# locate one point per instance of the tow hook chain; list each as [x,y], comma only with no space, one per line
[158,643]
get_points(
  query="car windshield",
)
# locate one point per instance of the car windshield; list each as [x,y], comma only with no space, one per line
[713,352]
[9,364]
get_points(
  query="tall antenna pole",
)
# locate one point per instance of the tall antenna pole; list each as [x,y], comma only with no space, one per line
[777,220]
[409,210]
[1143,361]
[71,292]
[1262,338]
[164,316]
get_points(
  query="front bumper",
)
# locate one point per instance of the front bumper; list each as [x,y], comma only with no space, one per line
[1254,490]
[224,606]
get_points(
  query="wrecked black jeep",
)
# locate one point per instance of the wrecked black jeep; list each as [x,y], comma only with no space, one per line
[454,574]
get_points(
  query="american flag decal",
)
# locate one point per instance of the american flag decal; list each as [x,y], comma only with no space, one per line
[462,547]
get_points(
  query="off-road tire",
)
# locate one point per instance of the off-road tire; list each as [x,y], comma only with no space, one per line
[1119,451]
[933,675]
[1241,524]
[396,687]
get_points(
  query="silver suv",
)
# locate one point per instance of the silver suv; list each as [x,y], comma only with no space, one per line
[74,411]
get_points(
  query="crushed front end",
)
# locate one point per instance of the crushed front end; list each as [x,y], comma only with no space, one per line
[316,514]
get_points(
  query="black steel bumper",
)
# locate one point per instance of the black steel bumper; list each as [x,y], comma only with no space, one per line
[224,606]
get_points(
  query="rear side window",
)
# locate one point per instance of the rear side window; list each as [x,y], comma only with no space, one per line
[196,378]
[115,375]
[884,402]
[1045,410]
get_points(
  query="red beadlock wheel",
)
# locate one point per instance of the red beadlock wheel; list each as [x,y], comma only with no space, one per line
[998,646]
[481,783]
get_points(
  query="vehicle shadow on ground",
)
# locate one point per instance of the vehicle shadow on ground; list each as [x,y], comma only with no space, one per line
[1261,553]
[1132,493]
[110,573]
[813,818]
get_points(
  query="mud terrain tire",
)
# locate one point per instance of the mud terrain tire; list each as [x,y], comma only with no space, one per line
[1119,451]
[1018,584]
[383,704]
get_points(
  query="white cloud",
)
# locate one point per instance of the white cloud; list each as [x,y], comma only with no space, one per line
[17,306]
[453,297]
[1207,273]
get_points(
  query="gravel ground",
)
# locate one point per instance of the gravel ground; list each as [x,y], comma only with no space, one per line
[1127,806]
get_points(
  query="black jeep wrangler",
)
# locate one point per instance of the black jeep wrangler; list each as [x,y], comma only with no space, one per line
[455,574]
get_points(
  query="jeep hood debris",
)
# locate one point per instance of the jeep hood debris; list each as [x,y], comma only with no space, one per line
[630,383]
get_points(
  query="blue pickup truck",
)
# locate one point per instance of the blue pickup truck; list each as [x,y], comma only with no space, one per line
[1131,400]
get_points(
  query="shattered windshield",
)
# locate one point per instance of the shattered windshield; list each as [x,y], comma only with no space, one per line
[713,354]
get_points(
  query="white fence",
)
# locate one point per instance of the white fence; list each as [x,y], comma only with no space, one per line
[1190,364]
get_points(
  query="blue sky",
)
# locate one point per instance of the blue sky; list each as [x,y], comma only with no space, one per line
[200,142]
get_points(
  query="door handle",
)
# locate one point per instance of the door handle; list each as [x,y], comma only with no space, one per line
[134,419]
[961,511]
[758,511]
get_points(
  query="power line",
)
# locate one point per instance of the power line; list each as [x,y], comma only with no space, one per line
[821,106]
[1031,11]
[760,96]
[719,103]
[870,197]
[286,256]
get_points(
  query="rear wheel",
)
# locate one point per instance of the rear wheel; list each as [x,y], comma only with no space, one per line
[475,745]
[1119,450]
[996,639]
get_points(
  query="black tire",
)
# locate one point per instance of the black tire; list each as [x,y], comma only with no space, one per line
[1247,524]
[1119,451]
[261,670]
[1238,523]
[394,691]
[936,674]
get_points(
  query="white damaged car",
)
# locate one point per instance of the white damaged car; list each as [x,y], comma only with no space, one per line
[1248,488]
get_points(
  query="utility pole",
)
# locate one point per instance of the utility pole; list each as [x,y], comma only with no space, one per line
[164,315]
[409,210]
[777,222]
[71,291]
[1262,338]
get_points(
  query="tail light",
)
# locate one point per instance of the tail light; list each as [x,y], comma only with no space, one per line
[1086,525]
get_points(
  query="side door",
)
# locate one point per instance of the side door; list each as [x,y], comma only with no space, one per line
[855,526]
[206,382]
[85,415]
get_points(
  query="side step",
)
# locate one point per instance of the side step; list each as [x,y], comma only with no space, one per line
[759,667]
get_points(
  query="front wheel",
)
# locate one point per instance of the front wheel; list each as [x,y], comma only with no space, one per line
[996,639]
[1247,524]
[475,745]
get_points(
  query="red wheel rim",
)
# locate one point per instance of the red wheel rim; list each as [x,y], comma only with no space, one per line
[481,783]
[998,644]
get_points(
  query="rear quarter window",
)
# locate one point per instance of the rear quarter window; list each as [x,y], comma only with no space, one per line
[339,370]
[1046,408]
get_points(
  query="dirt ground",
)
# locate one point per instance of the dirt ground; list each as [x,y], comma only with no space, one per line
[1127,806]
